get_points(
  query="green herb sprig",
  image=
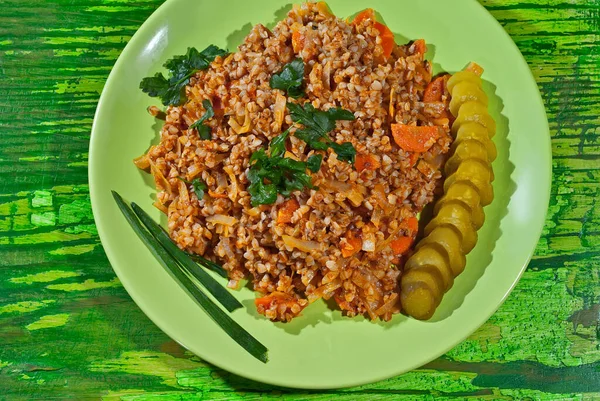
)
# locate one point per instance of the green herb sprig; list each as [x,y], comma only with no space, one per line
[233,329]
[272,174]
[198,186]
[171,90]
[204,130]
[289,79]
[317,124]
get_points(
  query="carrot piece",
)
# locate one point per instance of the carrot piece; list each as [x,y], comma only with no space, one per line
[413,158]
[387,36]
[366,162]
[216,194]
[286,211]
[413,224]
[435,90]
[267,300]
[364,15]
[387,39]
[412,138]
[420,47]
[297,41]
[475,69]
[401,245]
[354,244]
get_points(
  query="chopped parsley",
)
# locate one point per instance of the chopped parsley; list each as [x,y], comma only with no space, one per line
[317,124]
[198,186]
[204,130]
[289,79]
[171,90]
[272,174]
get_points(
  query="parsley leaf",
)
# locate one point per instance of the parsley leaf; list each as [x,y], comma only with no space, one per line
[171,90]
[277,146]
[272,174]
[317,124]
[204,130]
[289,79]
[198,186]
[314,163]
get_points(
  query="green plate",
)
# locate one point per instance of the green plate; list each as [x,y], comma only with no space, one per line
[321,349]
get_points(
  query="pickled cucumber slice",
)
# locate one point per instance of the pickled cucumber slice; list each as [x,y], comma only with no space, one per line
[477,132]
[418,300]
[472,111]
[462,76]
[429,256]
[458,216]
[472,204]
[466,91]
[470,149]
[449,241]
[429,275]
[472,172]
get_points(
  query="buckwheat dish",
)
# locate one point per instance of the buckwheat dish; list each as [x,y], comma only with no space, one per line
[302,161]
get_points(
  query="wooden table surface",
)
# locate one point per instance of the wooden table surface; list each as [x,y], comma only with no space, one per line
[68,329]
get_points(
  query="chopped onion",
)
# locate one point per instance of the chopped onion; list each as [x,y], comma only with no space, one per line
[241,129]
[355,197]
[300,244]
[222,219]
[279,110]
[337,186]
[368,244]
[160,207]
[327,75]
[184,195]
[142,162]
[392,110]
[233,187]
[159,178]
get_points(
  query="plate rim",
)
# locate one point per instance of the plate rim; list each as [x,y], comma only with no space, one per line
[133,293]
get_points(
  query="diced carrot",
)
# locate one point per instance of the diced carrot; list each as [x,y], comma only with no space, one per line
[435,90]
[413,158]
[387,39]
[420,47]
[364,15]
[286,211]
[366,162]
[413,224]
[412,138]
[401,245]
[475,68]
[387,36]
[278,297]
[216,194]
[297,41]
[354,244]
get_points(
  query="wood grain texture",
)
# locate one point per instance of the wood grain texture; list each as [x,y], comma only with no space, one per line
[68,330]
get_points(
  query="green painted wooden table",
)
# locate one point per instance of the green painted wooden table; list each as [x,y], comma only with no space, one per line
[68,329]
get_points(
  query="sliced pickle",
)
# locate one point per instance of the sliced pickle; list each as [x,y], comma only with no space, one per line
[418,300]
[462,76]
[470,149]
[458,216]
[474,112]
[466,91]
[475,173]
[475,209]
[431,257]
[429,275]
[449,240]
[477,132]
